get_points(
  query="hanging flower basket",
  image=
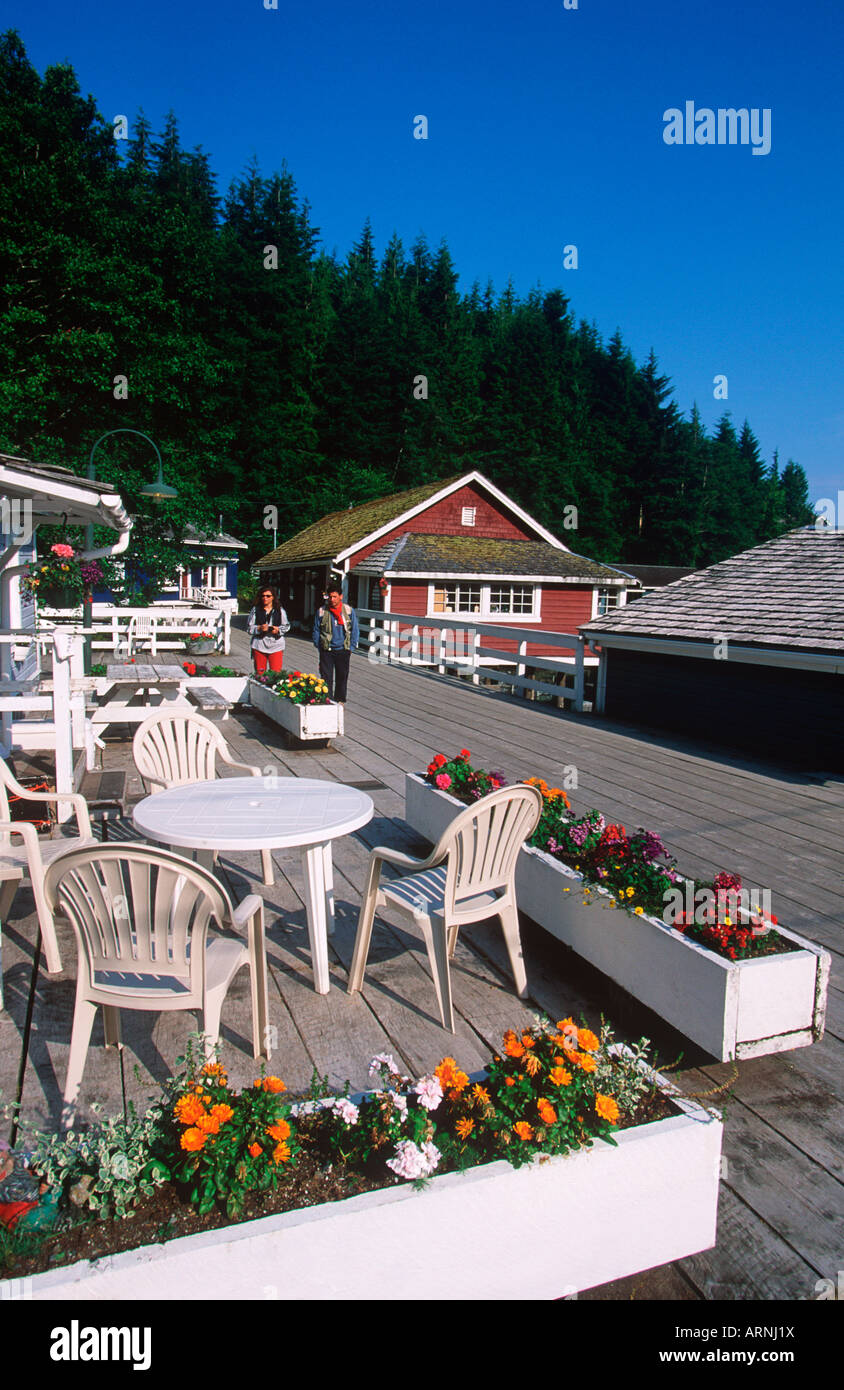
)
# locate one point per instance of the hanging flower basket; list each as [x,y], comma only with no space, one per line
[55,596]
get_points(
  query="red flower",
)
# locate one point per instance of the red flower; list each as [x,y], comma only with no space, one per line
[464,753]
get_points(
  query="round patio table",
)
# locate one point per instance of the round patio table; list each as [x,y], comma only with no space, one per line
[255,813]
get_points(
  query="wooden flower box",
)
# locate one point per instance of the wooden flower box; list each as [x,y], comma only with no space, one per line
[546,1230]
[304,722]
[729,1008]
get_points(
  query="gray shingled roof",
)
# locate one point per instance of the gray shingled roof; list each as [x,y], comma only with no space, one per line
[787,593]
[481,555]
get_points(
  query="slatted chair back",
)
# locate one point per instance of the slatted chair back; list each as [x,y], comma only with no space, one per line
[171,748]
[140,916]
[482,844]
[7,784]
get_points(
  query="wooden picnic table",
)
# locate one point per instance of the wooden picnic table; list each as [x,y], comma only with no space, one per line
[136,688]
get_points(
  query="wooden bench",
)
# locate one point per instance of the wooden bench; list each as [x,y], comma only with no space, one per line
[208,700]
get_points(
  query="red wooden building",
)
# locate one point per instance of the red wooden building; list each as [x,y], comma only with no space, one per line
[458,548]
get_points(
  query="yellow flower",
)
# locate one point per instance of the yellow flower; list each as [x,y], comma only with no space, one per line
[638,911]
[630,892]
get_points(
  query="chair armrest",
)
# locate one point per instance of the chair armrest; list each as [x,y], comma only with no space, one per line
[27,832]
[244,913]
[242,767]
[77,801]
[404,861]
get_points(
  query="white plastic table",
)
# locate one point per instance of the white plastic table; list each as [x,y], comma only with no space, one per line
[252,813]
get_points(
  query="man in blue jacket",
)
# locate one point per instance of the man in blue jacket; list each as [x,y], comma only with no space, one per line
[336,635]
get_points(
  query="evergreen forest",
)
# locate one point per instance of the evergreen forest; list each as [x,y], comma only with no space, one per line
[135,294]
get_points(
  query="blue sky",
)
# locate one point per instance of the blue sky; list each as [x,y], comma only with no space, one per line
[545,129]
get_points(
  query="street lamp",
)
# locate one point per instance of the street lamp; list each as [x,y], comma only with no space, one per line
[157,492]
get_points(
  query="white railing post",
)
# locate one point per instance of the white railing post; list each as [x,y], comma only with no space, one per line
[521,668]
[601,692]
[62,649]
[579,674]
[476,658]
[227,619]
[442,643]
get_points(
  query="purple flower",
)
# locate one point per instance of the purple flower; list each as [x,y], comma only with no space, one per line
[579,833]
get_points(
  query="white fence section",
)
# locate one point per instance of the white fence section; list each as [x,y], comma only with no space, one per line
[168,626]
[460,645]
[64,727]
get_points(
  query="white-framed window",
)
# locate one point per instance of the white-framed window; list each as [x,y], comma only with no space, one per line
[215,577]
[514,600]
[457,598]
[607,600]
[488,602]
[467,516]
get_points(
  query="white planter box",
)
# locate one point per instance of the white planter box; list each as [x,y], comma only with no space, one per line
[545,1230]
[729,1008]
[303,721]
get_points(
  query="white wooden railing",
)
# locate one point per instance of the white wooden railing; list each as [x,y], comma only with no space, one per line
[64,705]
[168,626]
[461,645]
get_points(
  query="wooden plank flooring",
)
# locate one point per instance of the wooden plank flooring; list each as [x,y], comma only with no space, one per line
[781,1207]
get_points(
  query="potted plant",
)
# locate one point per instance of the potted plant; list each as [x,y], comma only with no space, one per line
[738,984]
[553,1171]
[201,643]
[298,701]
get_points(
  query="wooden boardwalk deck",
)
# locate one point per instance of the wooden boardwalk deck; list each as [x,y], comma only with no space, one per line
[781,1207]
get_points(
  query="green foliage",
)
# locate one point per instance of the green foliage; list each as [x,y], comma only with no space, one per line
[288,378]
[115,1160]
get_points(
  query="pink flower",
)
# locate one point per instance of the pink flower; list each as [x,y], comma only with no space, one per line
[443,781]
[64,552]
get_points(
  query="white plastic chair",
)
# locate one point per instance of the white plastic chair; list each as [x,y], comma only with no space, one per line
[469,876]
[141,916]
[140,632]
[29,857]
[174,747]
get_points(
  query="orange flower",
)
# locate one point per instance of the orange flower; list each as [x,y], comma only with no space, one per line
[587,1040]
[481,1096]
[560,1076]
[222,1112]
[281,1153]
[527,1040]
[508,1081]
[606,1108]
[512,1046]
[280,1130]
[532,1064]
[271,1083]
[464,1128]
[254,1150]
[586,1062]
[188,1109]
[192,1140]
[213,1069]
[209,1124]
[546,1111]
[523,1129]
[449,1075]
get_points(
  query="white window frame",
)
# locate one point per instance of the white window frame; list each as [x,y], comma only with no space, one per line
[210,572]
[468,516]
[485,614]
[610,590]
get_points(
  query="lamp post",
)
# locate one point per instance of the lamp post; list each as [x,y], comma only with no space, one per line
[157,492]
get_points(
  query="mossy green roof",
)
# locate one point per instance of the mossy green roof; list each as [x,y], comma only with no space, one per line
[482,555]
[336,532]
